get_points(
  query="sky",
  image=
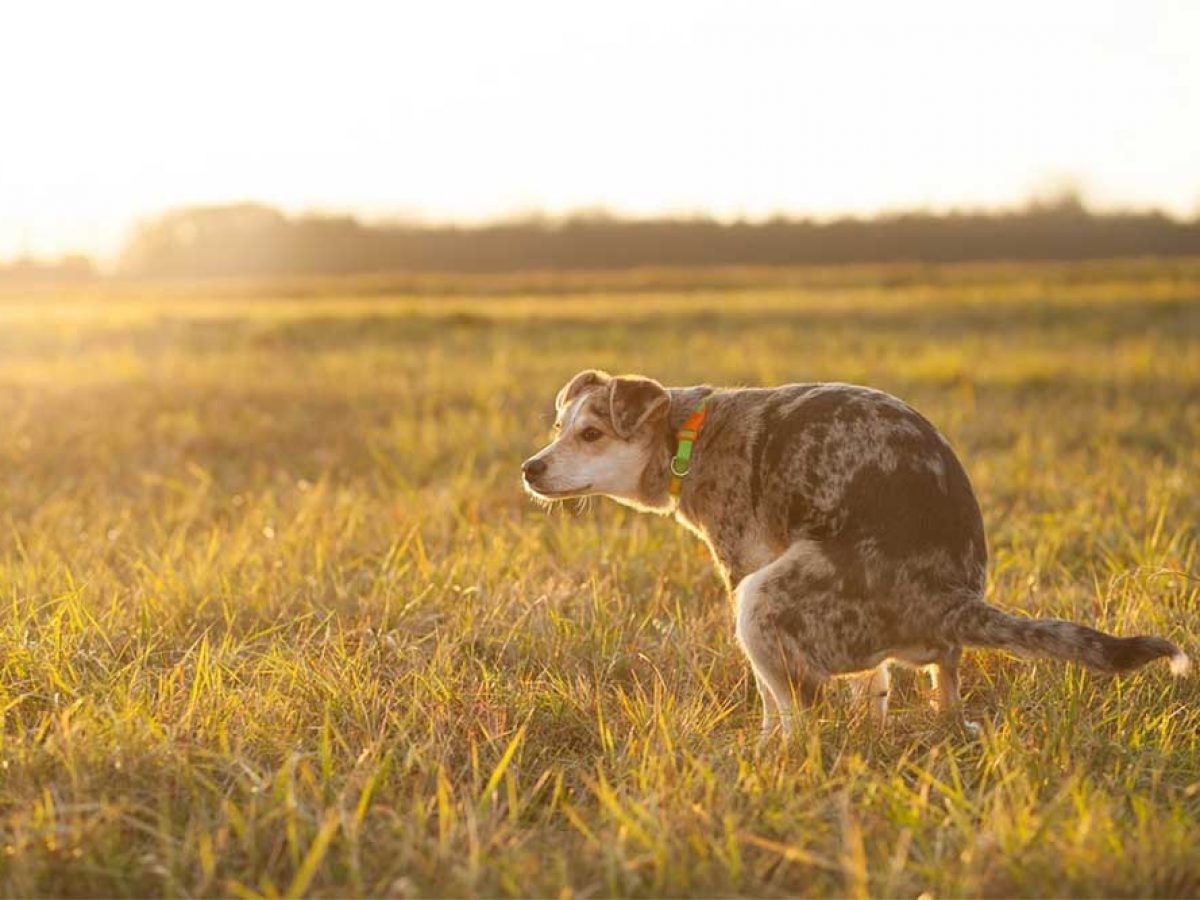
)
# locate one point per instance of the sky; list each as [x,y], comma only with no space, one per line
[447,110]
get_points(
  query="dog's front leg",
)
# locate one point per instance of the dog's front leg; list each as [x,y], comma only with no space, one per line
[777,654]
[770,709]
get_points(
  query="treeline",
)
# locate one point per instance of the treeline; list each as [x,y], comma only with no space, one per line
[252,240]
[258,241]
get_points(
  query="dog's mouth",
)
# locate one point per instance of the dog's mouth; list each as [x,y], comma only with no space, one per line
[546,494]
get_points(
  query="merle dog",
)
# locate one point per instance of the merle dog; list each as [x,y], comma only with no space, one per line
[839,517]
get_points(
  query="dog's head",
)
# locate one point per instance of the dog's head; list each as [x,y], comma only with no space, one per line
[607,431]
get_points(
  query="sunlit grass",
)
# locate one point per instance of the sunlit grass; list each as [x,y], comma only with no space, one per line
[279,619]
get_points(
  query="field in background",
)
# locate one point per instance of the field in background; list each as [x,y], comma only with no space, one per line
[278,618]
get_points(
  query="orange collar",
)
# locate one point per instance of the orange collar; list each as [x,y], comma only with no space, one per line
[688,435]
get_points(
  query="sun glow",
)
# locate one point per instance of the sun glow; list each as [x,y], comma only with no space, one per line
[470,110]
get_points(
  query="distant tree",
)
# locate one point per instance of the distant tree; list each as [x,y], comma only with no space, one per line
[206,240]
[71,269]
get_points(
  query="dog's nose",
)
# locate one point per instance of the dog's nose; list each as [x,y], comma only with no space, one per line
[533,468]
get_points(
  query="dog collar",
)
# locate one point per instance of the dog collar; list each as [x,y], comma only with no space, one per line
[687,435]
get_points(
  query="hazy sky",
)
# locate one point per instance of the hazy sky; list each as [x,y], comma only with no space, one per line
[114,110]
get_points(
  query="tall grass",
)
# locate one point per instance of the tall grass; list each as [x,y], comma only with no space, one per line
[278,619]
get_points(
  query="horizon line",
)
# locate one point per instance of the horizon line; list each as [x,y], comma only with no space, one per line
[1069,196]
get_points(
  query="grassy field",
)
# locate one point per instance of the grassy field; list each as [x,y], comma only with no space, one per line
[278,618]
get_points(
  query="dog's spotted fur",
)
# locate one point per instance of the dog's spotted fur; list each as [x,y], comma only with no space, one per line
[841,520]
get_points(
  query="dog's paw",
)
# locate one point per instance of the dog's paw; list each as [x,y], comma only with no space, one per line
[768,738]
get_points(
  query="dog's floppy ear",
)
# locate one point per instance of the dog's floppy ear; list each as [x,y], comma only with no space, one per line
[633,400]
[584,379]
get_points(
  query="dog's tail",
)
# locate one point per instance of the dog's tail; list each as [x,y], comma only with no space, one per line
[979,625]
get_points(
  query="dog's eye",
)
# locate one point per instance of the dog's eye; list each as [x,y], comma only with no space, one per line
[591,434]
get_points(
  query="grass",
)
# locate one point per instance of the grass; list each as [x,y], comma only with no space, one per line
[279,620]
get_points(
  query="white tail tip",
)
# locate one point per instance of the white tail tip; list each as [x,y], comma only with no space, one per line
[1180,664]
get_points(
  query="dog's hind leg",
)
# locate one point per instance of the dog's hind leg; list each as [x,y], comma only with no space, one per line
[874,688]
[944,676]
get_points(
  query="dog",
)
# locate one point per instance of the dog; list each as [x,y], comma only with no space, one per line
[840,519]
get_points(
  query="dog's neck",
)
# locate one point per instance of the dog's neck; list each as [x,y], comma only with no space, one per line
[656,479]
[683,402]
